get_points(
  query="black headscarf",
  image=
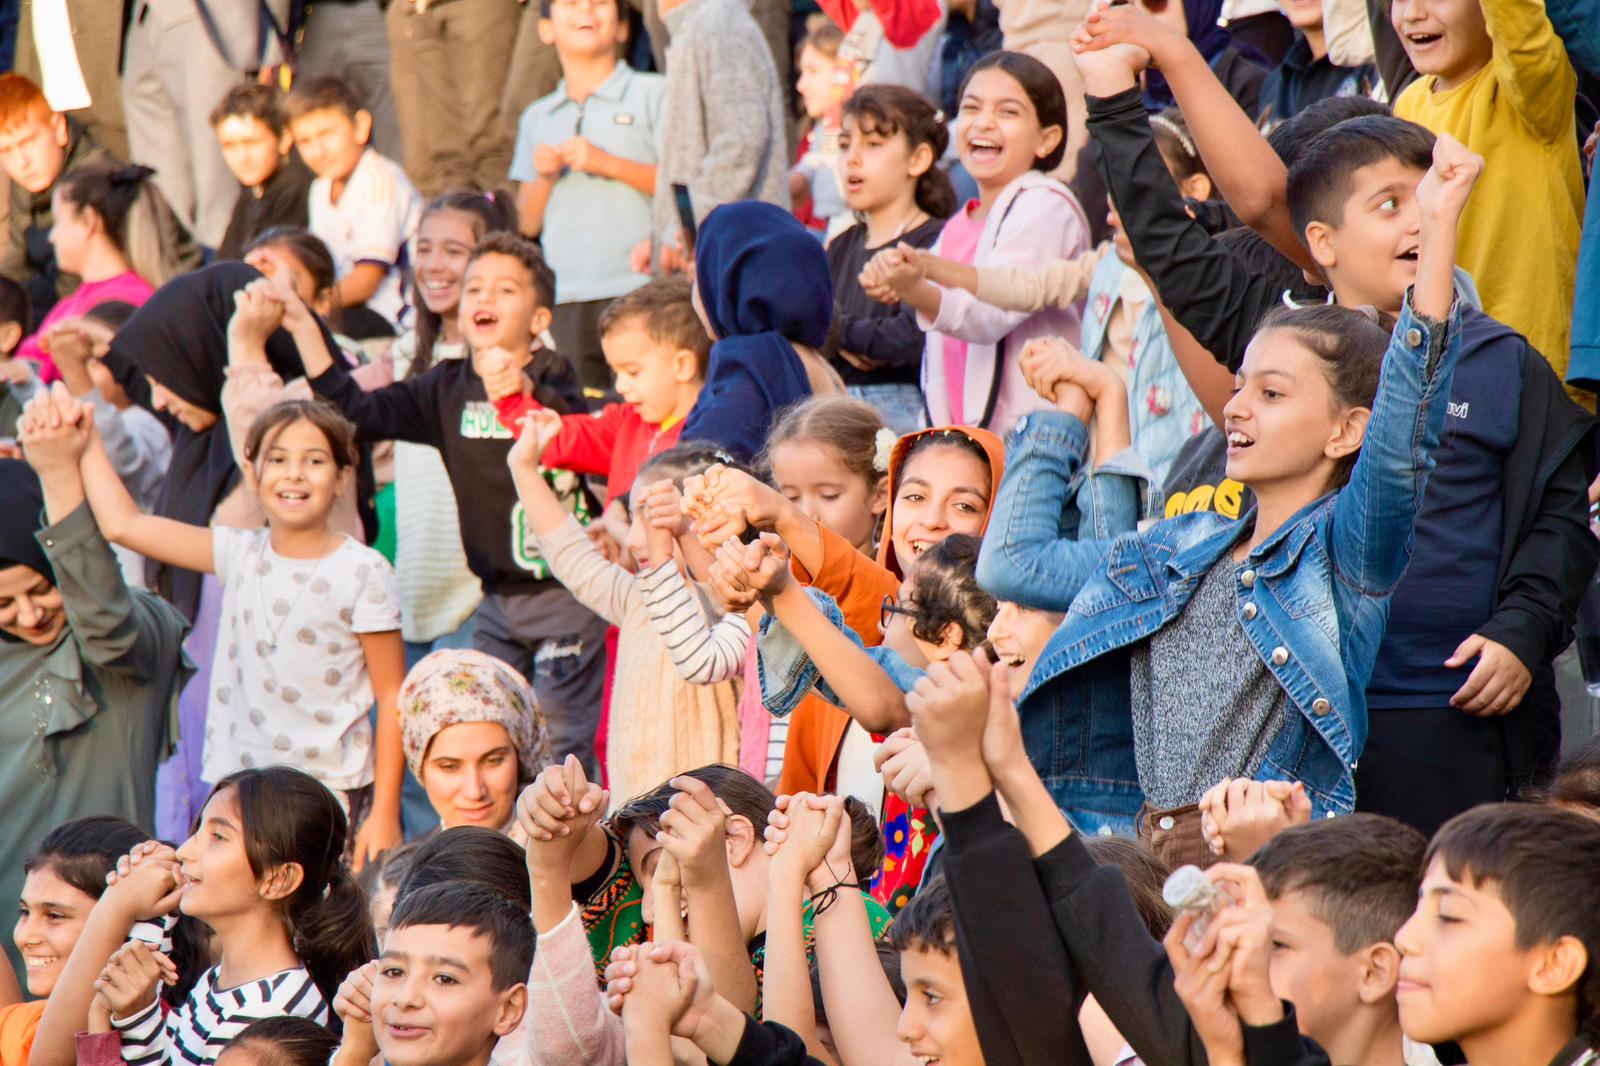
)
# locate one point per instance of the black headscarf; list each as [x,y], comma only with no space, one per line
[180,338]
[21,517]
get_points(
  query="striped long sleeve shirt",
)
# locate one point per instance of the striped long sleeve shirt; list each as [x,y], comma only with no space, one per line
[211,1017]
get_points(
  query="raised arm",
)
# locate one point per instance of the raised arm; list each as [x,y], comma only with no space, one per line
[1375,513]
[1531,66]
[1208,289]
[1246,170]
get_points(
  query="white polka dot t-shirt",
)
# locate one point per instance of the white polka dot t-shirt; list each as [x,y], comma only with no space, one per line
[289,681]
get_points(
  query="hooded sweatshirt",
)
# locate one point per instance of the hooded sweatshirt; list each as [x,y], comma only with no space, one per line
[764,286]
[859,584]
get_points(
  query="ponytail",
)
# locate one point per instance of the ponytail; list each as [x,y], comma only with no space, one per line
[132,210]
[289,817]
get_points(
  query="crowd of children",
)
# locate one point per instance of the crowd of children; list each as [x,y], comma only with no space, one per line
[1061,555]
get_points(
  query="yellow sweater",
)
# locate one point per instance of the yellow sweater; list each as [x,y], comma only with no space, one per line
[1519,233]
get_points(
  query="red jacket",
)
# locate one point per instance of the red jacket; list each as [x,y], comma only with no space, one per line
[613,442]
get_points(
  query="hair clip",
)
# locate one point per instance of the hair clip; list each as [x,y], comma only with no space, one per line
[1177,131]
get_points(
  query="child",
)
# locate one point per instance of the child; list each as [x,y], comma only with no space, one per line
[438,590]
[890,145]
[263,870]
[722,125]
[1307,73]
[823,84]
[285,1041]
[1275,694]
[299,454]
[1497,78]
[38,146]
[660,723]
[139,445]
[762,290]
[1433,666]
[940,481]
[1010,134]
[525,618]
[66,873]
[256,144]
[1500,954]
[1122,325]
[939,610]
[19,380]
[656,985]
[450,981]
[587,152]
[104,233]
[362,205]
[656,350]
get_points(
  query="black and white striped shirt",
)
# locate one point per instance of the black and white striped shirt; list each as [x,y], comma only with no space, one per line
[211,1017]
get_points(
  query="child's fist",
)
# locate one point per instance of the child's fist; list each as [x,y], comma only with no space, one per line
[661,506]
[501,372]
[1444,189]
[547,161]
[950,706]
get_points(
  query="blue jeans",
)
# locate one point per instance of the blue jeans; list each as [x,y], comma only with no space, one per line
[900,404]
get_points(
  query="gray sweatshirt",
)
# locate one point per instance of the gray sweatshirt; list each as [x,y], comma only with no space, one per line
[722,132]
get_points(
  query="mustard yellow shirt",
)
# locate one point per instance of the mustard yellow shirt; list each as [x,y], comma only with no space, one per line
[1519,233]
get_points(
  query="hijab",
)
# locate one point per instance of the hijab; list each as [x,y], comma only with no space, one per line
[21,518]
[179,337]
[457,685]
[1210,39]
[763,282]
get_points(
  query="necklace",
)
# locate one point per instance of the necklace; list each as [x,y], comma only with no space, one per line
[907,224]
[273,631]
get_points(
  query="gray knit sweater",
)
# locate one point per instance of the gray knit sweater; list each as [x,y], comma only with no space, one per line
[722,134]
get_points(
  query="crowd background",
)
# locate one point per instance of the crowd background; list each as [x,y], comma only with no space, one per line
[777,532]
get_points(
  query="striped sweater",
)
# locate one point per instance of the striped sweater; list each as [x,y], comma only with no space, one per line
[211,1017]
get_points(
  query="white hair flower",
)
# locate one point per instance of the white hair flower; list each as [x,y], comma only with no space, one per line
[882,448]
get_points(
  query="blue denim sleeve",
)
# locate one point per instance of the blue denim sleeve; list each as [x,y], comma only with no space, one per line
[788,673]
[1375,514]
[1034,552]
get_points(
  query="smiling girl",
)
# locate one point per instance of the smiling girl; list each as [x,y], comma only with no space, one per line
[1010,134]
[263,871]
[309,623]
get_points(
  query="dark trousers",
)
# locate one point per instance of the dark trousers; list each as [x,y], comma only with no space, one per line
[1425,766]
[576,329]
[560,647]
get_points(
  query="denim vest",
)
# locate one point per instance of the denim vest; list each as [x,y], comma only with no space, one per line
[1312,599]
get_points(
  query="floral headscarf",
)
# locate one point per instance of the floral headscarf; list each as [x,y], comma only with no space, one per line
[459,685]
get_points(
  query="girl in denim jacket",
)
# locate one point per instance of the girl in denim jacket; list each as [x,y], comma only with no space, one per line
[1204,648]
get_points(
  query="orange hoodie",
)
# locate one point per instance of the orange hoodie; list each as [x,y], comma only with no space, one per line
[858,585]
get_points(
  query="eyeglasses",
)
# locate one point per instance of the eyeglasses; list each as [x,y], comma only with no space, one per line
[891,607]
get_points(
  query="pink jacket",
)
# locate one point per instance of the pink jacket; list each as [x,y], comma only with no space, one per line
[1035,220]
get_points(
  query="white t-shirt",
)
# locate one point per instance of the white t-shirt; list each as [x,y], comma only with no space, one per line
[376,215]
[289,681]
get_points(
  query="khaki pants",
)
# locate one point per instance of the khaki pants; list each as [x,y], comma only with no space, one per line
[447,67]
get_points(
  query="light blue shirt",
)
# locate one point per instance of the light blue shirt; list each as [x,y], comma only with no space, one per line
[591,224]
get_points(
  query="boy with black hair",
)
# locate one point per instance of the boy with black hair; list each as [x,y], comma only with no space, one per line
[1503,953]
[588,151]
[526,618]
[253,131]
[1462,703]
[482,947]
[361,204]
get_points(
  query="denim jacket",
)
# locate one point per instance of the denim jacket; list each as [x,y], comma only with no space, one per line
[1163,410]
[1312,599]
[787,672]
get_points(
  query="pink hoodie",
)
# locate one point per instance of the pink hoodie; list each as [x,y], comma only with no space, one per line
[1035,221]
